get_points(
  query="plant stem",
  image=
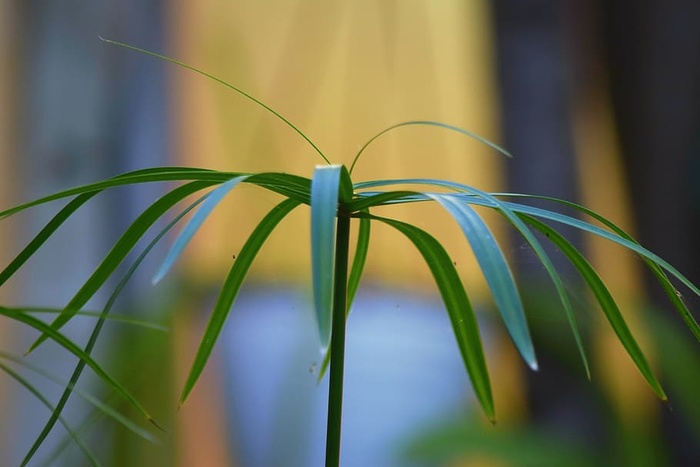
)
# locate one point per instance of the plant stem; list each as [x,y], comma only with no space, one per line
[337,349]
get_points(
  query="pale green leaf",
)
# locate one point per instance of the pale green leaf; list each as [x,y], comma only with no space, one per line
[325,187]
[496,272]
[213,199]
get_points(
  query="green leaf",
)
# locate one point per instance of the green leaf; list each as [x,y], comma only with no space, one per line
[356,270]
[428,123]
[324,208]
[459,309]
[473,195]
[213,199]
[496,272]
[230,289]
[71,347]
[605,299]
[585,226]
[371,199]
[98,404]
[120,250]
[44,235]
[358,263]
[115,318]
[671,292]
[291,186]
[157,174]
[228,85]
[28,386]
[287,185]
[467,442]
[92,341]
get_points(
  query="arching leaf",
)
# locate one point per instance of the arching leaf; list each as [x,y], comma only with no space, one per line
[213,199]
[605,299]
[496,272]
[230,288]
[459,309]
[120,250]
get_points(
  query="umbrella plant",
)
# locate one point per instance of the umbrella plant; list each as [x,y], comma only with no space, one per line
[339,203]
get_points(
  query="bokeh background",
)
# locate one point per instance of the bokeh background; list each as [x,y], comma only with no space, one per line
[599,102]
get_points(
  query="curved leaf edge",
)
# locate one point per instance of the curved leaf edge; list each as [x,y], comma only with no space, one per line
[229,291]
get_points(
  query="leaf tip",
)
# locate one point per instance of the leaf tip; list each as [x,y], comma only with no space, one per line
[324,345]
[667,403]
[157,277]
[156,424]
[32,347]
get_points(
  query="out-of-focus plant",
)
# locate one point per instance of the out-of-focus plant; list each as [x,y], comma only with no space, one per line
[336,202]
[531,443]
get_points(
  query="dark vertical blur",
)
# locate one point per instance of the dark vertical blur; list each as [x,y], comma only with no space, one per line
[652,52]
[646,55]
[536,77]
[653,59]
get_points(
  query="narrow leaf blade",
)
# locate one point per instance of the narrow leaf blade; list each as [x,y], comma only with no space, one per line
[212,200]
[120,250]
[458,307]
[44,235]
[71,347]
[605,299]
[496,272]
[324,209]
[445,126]
[156,174]
[229,291]
[475,196]
[358,263]
[671,292]
[94,335]
[356,270]
[35,392]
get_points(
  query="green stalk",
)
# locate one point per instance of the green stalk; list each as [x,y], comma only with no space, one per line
[337,349]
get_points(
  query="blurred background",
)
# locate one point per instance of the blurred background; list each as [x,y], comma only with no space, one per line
[599,102]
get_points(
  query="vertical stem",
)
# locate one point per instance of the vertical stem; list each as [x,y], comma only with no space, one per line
[337,349]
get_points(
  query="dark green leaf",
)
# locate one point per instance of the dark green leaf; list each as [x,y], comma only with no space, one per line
[35,392]
[671,292]
[120,250]
[358,264]
[356,270]
[71,347]
[44,235]
[92,341]
[458,308]
[159,174]
[473,195]
[98,404]
[605,299]
[230,289]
